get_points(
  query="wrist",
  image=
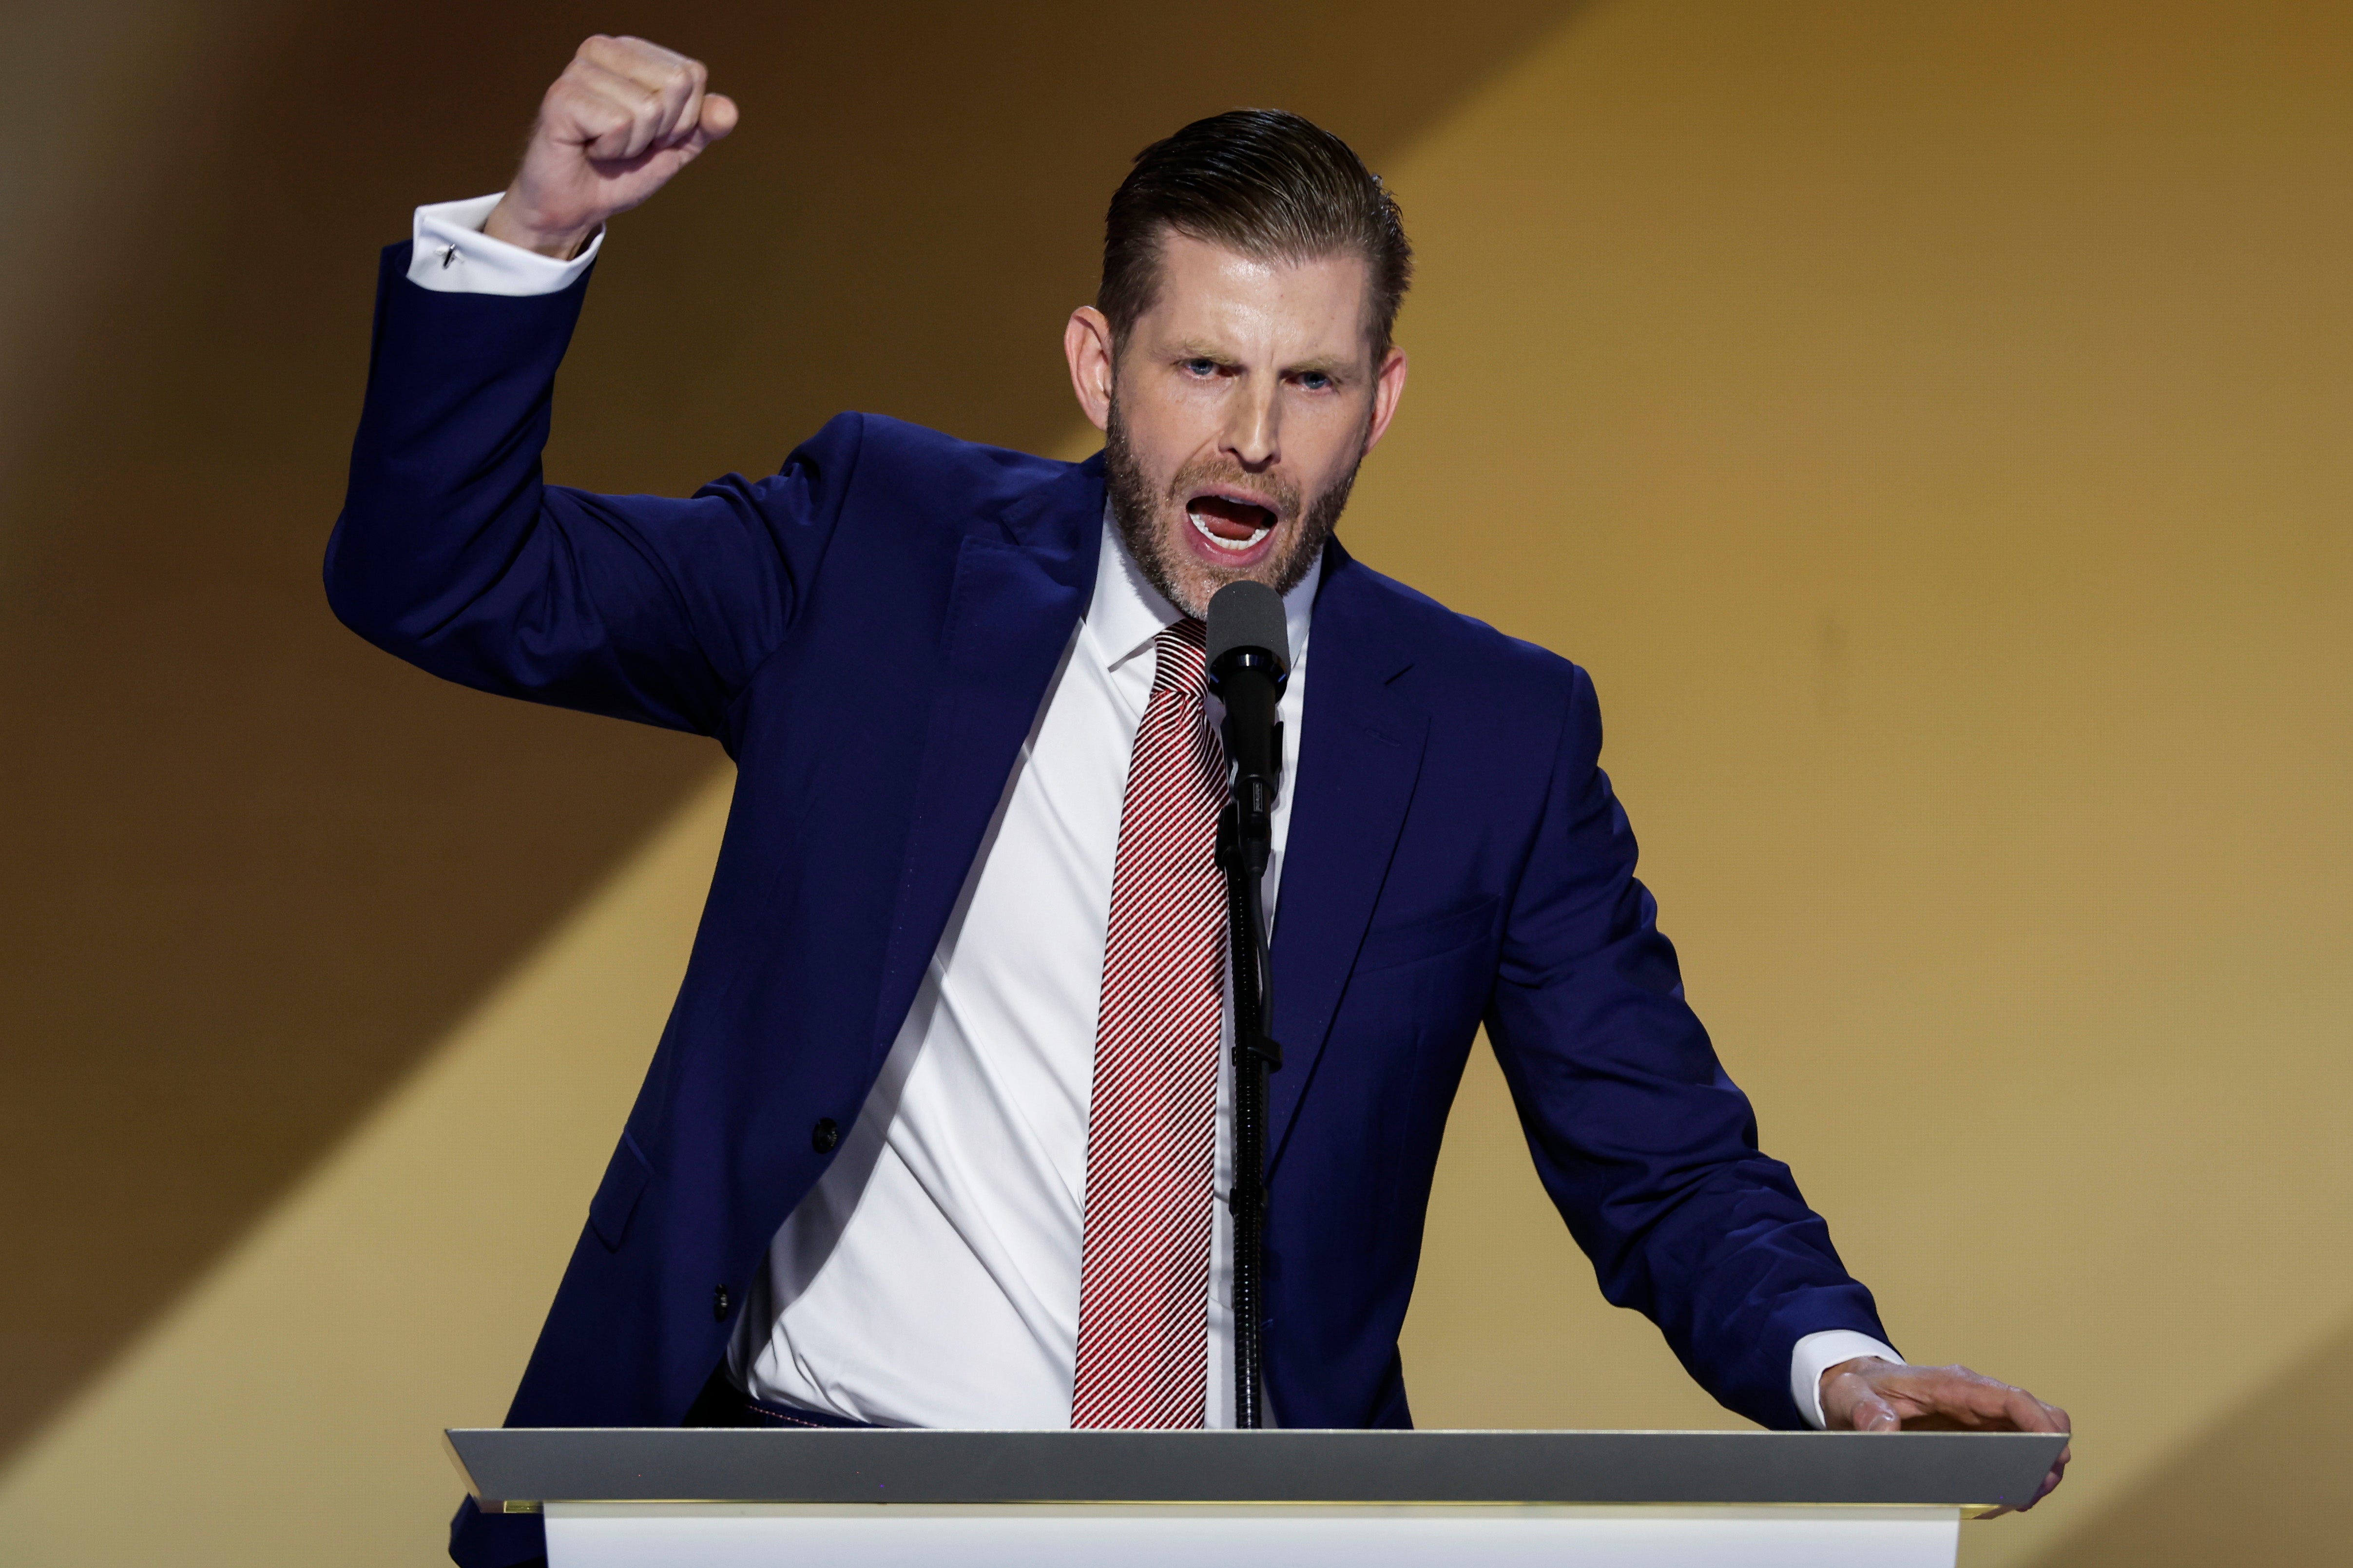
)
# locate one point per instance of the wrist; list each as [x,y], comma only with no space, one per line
[511,223]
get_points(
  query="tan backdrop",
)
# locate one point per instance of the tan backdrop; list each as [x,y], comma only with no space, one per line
[1924,420]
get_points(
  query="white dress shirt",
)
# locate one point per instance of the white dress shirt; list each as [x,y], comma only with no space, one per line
[931,1279]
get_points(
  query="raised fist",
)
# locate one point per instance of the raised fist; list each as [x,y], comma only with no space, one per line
[623,118]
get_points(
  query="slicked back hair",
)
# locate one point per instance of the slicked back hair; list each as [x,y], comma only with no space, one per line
[1262,182]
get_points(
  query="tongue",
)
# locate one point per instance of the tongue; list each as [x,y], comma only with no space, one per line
[1231,520]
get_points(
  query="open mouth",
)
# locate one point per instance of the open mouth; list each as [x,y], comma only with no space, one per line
[1231,525]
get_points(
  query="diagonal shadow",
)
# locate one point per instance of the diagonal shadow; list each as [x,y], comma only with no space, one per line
[251,869]
[2266,1484]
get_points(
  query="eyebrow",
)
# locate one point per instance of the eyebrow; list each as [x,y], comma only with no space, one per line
[1194,348]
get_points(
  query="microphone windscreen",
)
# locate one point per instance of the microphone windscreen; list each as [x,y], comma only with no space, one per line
[1248,615]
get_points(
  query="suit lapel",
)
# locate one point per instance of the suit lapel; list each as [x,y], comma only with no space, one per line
[1009,617]
[1360,756]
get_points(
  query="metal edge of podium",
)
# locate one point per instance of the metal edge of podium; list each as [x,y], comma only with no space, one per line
[516,1469]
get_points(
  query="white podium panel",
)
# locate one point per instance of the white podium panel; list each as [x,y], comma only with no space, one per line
[1014,1535]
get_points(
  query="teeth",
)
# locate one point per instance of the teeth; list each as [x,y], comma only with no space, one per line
[1235,545]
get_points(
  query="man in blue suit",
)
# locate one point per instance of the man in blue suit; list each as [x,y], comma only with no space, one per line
[938,1128]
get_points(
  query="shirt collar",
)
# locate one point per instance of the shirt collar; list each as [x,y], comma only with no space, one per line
[1127,612]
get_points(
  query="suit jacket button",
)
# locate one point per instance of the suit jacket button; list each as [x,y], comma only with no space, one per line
[719,1304]
[824,1135]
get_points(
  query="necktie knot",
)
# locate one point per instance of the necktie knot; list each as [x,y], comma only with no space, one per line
[1181,656]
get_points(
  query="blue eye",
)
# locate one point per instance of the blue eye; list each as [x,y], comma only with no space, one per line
[1314,380]
[1202,366]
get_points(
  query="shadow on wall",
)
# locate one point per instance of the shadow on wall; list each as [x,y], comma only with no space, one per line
[2266,1484]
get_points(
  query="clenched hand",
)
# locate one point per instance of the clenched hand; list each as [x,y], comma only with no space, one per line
[623,118]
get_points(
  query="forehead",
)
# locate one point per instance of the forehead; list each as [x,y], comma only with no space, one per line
[1255,305]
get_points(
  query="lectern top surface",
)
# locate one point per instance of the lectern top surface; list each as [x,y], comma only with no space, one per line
[732,1465]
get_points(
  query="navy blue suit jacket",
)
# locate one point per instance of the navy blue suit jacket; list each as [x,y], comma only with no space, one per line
[869,634]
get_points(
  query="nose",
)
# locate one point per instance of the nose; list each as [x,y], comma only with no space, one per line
[1253,437]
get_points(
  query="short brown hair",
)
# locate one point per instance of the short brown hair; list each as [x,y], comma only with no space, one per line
[1265,183]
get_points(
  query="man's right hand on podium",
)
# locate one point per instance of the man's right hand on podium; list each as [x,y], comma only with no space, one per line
[624,117]
[1867,1395]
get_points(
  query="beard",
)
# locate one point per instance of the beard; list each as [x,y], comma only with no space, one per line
[1146,517]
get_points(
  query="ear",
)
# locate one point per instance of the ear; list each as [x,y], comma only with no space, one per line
[1389,386]
[1086,343]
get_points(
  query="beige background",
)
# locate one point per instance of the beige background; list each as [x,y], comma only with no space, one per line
[1925,421]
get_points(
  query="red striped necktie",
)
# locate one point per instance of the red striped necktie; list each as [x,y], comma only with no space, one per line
[1144,1276]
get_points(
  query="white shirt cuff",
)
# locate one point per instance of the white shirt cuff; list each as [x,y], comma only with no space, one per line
[1816,1354]
[451,255]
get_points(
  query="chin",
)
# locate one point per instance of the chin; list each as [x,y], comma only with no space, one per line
[1184,569]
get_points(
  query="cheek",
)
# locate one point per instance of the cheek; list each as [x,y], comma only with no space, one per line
[1323,442]
[1169,429]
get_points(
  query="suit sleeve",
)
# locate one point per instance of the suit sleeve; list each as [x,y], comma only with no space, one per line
[1647,1149]
[453,553]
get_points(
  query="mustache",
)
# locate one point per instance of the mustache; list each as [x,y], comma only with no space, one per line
[1211,473]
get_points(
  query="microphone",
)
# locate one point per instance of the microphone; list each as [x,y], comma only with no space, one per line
[1249,660]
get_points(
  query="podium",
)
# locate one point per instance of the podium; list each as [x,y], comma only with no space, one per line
[731,1497]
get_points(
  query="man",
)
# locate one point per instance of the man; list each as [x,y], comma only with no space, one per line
[887,1166]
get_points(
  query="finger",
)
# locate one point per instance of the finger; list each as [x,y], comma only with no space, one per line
[718,117]
[677,99]
[2058,1472]
[1971,1399]
[2050,1483]
[688,125]
[640,111]
[1873,1413]
[593,109]
[2028,1413]
[2001,1403]
[640,60]
[1981,1400]
[718,111]
[674,81]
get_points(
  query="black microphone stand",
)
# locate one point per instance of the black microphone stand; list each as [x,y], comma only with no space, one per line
[1248,656]
[1245,840]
